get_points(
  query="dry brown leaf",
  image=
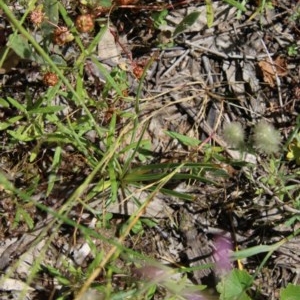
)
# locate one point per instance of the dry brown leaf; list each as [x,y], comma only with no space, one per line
[108,48]
[281,66]
[270,70]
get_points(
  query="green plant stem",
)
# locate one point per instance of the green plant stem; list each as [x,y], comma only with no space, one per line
[46,57]
[274,248]
[132,221]
[263,248]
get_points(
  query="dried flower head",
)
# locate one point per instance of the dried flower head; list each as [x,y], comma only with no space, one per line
[266,138]
[138,71]
[62,35]
[50,79]
[234,134]
[85,23]
[37,16]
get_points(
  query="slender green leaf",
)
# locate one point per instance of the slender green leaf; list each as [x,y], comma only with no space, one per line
[168,166]
[27,219]
[22,215]
[22,134]
[209,13]
[35,151]
[187,22]
[94,43]
[111,164]
[69,23]
[107,76]
[4,103]
[138,177]
[236,4]
[187,141]
[113,181]
[16,104]
[57,274]
[182,196]
[9,122]
[151,291]
[46,110]
[293,220]
[95,263]
[54,168]
[253,251]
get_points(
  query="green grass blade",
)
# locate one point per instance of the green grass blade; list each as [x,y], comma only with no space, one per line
[209,13]
[107,76]
[185,140]
[236,4]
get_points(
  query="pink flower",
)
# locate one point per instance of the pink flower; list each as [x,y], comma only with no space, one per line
[223,246]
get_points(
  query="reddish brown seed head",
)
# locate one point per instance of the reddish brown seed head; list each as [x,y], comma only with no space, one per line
[85,23]
[50,79]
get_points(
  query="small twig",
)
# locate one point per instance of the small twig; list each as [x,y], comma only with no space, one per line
[215,52]
[177,62]
[207,68]
[228,56]
[170,6]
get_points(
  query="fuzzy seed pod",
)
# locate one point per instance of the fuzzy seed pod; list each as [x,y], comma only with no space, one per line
[266,138]
[234,134]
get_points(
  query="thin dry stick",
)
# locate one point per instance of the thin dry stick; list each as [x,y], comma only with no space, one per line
[215,52]
[174,65]
[164,107]
[219,117]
